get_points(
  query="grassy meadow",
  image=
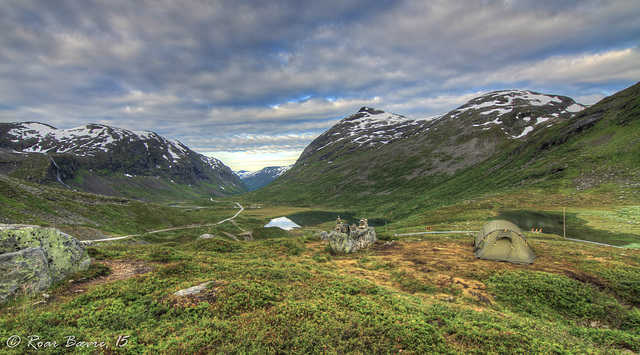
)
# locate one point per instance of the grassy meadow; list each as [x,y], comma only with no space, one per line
[274,292]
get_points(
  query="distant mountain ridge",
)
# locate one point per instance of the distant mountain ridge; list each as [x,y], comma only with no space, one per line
[518,111]
[257,179]
[113,161]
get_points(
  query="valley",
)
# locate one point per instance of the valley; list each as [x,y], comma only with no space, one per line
[514,155]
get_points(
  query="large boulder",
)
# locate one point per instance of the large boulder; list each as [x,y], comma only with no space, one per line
[352,239]
[33,257]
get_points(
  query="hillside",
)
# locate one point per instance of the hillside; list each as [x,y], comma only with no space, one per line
[424,164]
[365,130]
[112,161]
[83,214]
[257,179]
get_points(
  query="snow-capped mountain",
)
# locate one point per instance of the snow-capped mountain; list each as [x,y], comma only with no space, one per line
[83,155]
[367,129]
[517,112]
[377,157]
[257,179]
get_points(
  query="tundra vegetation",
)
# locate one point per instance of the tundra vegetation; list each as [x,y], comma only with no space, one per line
[287,292]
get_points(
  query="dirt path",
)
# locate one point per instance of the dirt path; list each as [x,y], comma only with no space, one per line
[172,229]
[120,270]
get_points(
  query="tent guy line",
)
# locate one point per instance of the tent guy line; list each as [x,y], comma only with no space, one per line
[440,232]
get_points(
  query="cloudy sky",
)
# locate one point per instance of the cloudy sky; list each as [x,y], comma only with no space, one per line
[253,82]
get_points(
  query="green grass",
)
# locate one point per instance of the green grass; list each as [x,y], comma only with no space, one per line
[26,203]
[286,294]
[285,304]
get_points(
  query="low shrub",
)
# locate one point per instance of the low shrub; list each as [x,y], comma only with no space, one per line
[543,294]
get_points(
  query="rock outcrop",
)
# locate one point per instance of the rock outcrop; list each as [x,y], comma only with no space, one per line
[33,257]
[347,239]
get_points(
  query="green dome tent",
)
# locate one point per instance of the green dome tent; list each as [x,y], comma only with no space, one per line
[503,241]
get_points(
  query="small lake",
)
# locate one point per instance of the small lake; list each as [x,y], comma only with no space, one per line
[314,218]
[283,223]
[552,223]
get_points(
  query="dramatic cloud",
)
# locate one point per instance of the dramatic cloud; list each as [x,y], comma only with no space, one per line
[266,77]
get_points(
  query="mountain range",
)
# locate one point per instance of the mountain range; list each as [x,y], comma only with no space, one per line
[385,164]
[257,179]
[112,161]
[372,161]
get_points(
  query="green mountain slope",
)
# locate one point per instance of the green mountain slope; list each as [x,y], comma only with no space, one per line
[30,203]
[470,152]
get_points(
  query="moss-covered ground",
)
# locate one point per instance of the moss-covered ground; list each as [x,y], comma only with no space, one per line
[286,292]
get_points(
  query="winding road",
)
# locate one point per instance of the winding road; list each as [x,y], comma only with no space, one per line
[168,229]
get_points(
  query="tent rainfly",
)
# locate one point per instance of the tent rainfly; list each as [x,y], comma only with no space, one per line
[503,241]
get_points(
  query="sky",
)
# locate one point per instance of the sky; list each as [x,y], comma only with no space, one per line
[253,82]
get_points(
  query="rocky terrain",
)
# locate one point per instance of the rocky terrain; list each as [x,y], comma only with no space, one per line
[32,258]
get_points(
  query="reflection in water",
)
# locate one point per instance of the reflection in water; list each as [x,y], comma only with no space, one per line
[576,228]
[549,222]
[283,223]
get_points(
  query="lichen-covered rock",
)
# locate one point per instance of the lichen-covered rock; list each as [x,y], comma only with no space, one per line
[322,235]
[355,239]
[33,257]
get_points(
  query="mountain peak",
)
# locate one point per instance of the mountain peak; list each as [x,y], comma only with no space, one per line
[517,112]
[369,128]
[370,110]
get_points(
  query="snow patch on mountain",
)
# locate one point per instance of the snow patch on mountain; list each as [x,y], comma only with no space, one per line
[504,101]
[517,107]
[88,140]
[369,128]
[213,162]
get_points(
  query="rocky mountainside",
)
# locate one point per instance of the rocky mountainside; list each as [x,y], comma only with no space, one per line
[461,154]
[516,112]
[257,179]
[111,161]
[365,130]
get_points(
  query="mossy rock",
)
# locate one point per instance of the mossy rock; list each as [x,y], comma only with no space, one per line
[32,258]
[356,239]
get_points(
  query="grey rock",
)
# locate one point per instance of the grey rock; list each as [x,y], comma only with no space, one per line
[192,290]
[206,236]
[322,235]
[354,239]
[33,257]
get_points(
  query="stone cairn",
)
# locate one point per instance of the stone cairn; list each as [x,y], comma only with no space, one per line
[345,238]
